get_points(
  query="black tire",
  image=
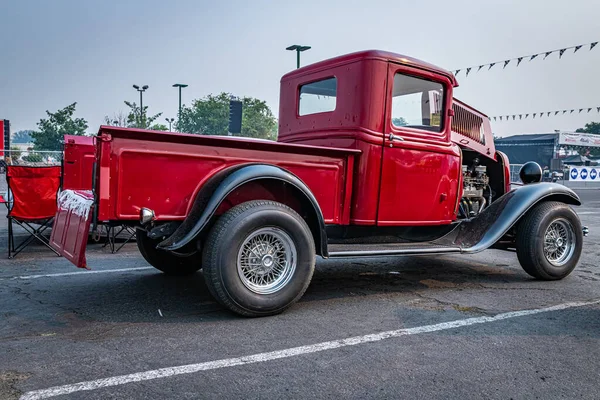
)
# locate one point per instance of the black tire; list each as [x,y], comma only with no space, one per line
[220,257]
[164,261]
[531,234]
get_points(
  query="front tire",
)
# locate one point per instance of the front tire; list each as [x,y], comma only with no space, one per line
[259,258]
[549,241]
[164,261]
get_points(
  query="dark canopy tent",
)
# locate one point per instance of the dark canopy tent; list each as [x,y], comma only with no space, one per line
[533,147]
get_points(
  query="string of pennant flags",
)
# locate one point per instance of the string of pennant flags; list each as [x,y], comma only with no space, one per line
[529,57]
[542,114]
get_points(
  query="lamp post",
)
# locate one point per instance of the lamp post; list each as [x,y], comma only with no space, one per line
[180,86]
[141,90]
[170,121]
[299,49]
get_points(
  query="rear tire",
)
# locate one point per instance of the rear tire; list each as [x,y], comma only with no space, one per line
[165,261]
[259,258]
[549,241]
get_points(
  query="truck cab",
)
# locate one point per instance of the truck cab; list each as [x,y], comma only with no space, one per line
[374,157]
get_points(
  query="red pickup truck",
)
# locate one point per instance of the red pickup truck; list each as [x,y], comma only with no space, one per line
[374,158]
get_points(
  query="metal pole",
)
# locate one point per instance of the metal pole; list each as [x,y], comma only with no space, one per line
[298,58]
[179,113]
[141,110]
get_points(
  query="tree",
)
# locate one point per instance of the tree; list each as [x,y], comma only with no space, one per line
[210,116]
[22,136]
[118,119]
[134,120]
[159,127]
[52,130]
[592,127]
[15,153]
[399,121]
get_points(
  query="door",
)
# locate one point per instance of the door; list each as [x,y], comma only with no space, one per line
[420,166]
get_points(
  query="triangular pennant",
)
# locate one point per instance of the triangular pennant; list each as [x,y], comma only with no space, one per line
[479,68]
[519,60]
[534,114]
[571,112]
[547,54]
[526,115]
[592,45]
[555,112]
[456,72]
[506,63]
[491,65]
[514,116]
[589,109]
[577,48]
[564,111]
[520,116]
[494,118]
[561,52]
[468,71]
[501,118]
[598,109]
[533,56]
[580,110]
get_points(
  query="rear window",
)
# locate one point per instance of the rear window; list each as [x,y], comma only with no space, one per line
[317,97]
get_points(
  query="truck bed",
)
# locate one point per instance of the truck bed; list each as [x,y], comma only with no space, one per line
[163,171]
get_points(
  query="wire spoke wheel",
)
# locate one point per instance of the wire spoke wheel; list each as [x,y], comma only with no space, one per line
[266,260]
[559,242]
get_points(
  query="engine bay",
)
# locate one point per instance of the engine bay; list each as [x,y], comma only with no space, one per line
[477,192]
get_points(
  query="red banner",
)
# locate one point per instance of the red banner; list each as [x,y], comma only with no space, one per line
[2,137]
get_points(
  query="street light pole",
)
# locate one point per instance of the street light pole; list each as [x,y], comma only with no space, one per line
[170,121]
[141,90]
[180,86]
[298,48]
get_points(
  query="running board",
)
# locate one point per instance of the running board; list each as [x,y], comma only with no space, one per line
[389,249]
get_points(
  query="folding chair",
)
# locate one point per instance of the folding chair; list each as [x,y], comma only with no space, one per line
[33,193]
[114,231]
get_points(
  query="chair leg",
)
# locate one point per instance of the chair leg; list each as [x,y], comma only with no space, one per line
[131,233]
[10,238]
[35,234]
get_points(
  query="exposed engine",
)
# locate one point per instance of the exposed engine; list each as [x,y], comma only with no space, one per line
[477,193]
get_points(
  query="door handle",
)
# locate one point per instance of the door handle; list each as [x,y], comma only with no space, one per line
[393,137]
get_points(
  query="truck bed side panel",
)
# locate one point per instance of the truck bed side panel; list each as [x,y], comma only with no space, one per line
[165,176]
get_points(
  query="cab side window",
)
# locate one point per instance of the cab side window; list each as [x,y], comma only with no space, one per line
[417,103]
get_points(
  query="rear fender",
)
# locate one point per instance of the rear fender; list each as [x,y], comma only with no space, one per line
[479,233]
[212,193]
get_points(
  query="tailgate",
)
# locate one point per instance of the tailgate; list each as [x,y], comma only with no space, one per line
[72,225]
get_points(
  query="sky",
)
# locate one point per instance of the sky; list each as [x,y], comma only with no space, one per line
[53,53]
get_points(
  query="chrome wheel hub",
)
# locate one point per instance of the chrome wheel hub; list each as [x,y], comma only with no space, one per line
[559,242]
[266,260]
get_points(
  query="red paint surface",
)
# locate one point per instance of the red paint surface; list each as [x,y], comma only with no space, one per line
[164,172]
[78,165]
[70,232]
[2,137]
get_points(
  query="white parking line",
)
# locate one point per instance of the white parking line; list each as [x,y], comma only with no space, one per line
[587,212]
[103,271]
[286,353]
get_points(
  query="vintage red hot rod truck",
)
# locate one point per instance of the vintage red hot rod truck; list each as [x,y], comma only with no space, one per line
[374,157]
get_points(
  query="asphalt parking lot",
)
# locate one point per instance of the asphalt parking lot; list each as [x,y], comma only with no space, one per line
[413,327]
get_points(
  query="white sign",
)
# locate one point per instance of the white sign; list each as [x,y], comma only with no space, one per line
[584,174]
[579,139]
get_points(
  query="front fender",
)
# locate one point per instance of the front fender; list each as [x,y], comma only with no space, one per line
[212,194]
[483,231]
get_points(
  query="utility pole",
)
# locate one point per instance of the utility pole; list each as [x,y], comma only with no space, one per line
[180,86]
[141,90]
[170,121]
[298,48]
